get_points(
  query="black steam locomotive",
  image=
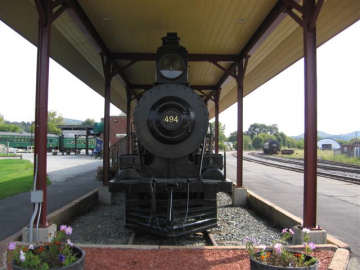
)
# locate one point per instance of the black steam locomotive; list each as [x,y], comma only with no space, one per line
[172,179]
[271,147]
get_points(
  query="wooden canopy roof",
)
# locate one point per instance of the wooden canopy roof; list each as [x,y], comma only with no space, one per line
[209,29]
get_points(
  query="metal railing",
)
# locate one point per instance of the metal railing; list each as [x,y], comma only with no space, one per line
[117,149]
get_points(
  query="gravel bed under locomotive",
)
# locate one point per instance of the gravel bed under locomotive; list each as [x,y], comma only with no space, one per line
[173,175]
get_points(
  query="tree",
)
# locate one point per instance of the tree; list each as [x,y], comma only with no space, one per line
[257,142]
[247,142]
[300,144]
[291,142]
[281,138]
[53,121]
[256,129]
[6,126]
[341,141]
[88,122]
[232,137]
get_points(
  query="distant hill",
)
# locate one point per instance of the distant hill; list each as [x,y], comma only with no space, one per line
[68,121]
[324,135]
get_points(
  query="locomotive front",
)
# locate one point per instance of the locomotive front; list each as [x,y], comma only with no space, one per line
[172,178]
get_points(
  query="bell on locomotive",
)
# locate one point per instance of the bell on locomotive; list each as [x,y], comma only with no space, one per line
[172,176]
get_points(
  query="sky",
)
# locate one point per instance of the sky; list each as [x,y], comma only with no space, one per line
[279,101]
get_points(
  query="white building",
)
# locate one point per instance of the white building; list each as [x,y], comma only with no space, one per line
[328,144]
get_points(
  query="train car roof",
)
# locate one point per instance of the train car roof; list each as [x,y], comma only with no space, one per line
[23,134]
[204,26]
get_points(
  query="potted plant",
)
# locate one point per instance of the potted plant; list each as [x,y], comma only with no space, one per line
[59,254]
[277,256]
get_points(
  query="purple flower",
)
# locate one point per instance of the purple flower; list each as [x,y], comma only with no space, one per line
[291,232]
[12,246]
[68,230]
[306,230]
[277,248]
[61,258]
[247,240]
[22,256]
[312,246]
[285,230]
[63,228]
[69,243]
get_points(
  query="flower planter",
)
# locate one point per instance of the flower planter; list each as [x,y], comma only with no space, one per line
[78,265]
[257,265]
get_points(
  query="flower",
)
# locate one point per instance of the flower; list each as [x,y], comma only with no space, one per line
[68,230]
[40,249]
[69,243]
[22,256]
[57,252]
[279,255]
[312,245]
[12,246]
[277,248]
[61,258]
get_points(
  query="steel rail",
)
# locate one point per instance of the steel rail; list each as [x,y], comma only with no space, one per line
[292,168]
[321,164]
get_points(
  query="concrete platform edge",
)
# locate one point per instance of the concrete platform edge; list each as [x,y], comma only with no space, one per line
[340,260]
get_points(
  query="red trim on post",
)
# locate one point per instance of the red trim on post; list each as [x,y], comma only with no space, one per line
[310,153]
[41,111]
[106,156]
[240,94]
[216,101]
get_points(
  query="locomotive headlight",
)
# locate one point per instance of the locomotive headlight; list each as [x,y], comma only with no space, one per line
[171,66]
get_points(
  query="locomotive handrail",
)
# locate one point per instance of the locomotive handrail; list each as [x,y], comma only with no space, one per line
[117,149]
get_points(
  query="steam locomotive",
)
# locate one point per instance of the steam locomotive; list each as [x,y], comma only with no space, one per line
[171,180]
[271,147]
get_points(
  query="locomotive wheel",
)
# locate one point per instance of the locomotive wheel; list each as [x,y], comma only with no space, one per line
[171,120]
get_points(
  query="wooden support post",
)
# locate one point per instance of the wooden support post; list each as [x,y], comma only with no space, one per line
[106,150]
[128,119]
[240,93]
[41,106]
[216,101]
[310,147]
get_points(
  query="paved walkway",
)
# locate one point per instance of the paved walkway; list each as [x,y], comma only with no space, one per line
[70,183]
[60,168]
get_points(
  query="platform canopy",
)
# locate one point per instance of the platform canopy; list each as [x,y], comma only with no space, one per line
[220,30]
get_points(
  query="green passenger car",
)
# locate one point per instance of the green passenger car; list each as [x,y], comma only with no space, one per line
[26,140]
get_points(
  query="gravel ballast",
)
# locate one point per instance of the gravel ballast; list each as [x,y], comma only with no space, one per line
[103,225]
[237,223]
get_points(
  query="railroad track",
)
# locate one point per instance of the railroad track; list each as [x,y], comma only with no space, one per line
[324,170]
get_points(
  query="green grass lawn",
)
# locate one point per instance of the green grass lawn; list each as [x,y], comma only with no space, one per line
[7,155]
[325,155]
[16,176]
